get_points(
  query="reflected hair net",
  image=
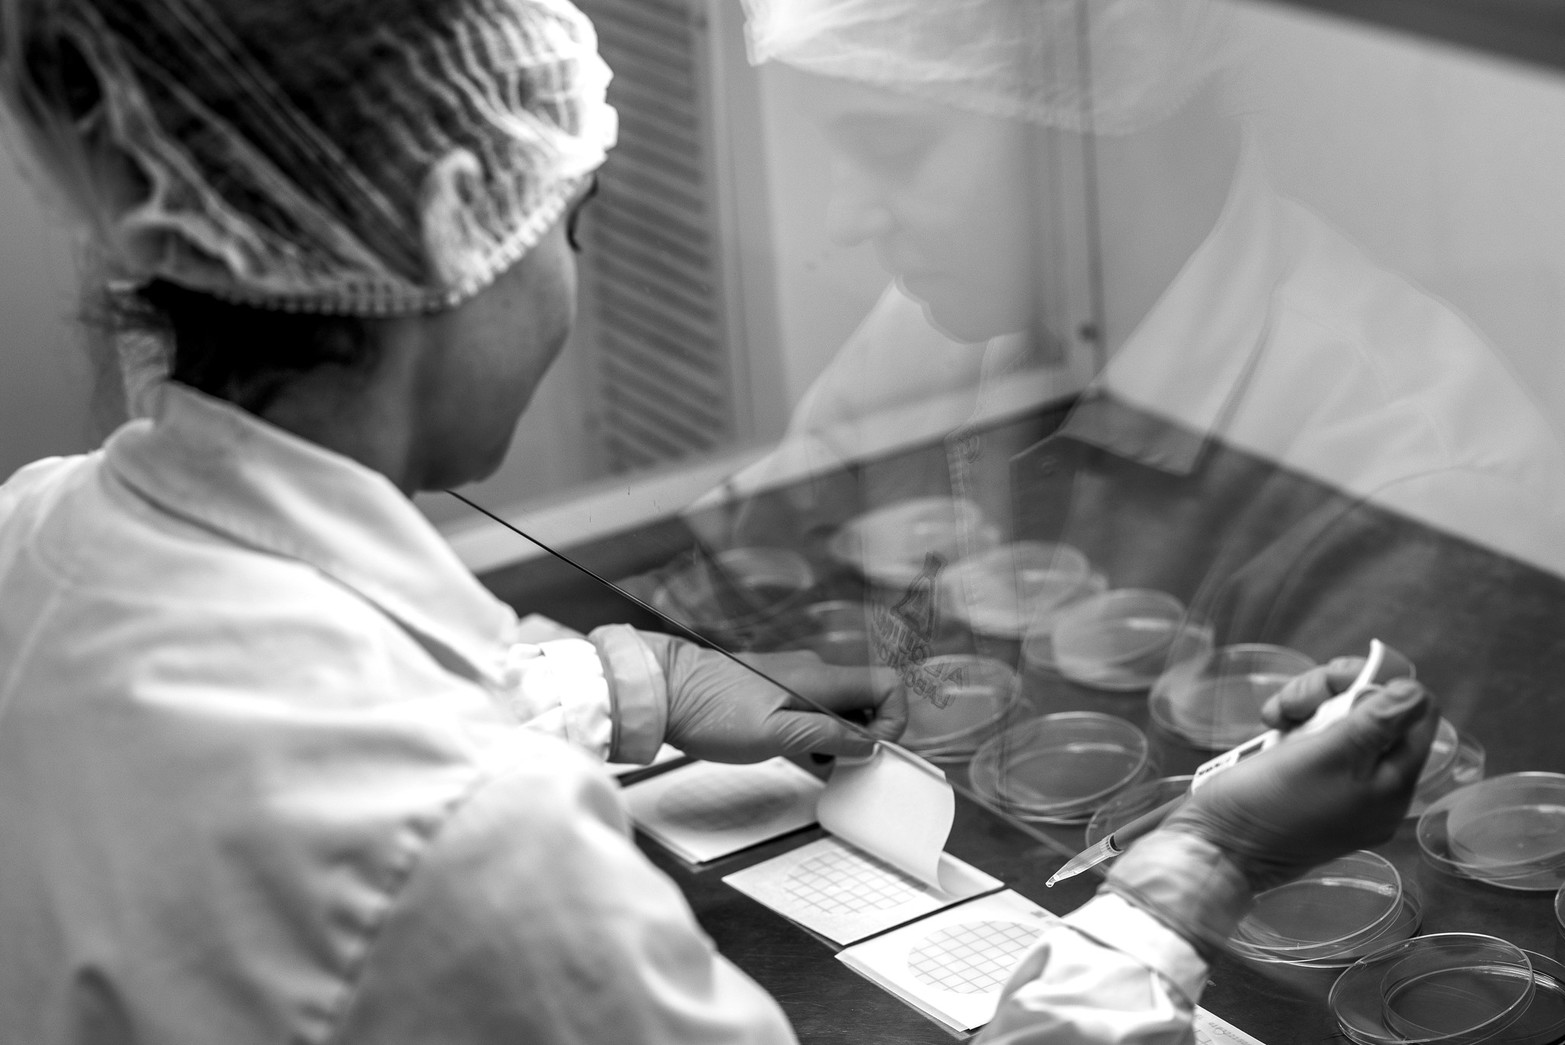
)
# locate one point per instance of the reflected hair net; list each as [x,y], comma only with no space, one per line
[1092,66]
[367,157]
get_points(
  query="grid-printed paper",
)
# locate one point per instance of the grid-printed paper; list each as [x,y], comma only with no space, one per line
[710,809]
[971,957]
[1214,1030]
[845,894]
[952,964]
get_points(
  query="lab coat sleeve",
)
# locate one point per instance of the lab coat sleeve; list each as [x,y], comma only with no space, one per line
[1122,969]
[604,694]
[531,917]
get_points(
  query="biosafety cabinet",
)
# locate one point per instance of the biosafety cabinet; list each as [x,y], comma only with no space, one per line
[1089,369]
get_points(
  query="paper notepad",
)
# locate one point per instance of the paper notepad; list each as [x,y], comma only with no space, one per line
[952,965]
[711,809]
[890,816]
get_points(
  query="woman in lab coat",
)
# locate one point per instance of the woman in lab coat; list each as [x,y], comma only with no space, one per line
[273,766]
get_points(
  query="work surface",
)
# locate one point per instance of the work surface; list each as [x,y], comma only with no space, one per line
[1496,639]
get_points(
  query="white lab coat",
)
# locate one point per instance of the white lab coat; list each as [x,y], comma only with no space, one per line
[274,768]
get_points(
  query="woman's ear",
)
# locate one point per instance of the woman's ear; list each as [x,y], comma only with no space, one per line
[451,238]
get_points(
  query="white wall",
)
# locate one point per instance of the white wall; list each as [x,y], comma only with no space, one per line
[45,383]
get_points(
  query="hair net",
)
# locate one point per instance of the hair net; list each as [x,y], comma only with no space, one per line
[354,156]
[1095,66]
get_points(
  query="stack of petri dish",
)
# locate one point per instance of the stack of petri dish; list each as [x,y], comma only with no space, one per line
[1451,989]
[1213,702]
[1010,588]
[1330,917]
[1061,768]
[1507,831]
[957,702]
[1118,640]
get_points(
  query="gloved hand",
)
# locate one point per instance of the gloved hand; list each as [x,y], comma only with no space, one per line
[1319,795]
[723,712]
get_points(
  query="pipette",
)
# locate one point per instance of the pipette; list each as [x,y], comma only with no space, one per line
[1118,840]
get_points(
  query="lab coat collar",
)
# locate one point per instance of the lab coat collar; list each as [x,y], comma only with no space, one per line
[1185,367]
[223,469]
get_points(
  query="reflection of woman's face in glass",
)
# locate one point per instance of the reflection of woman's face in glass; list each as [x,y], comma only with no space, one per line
[946,197]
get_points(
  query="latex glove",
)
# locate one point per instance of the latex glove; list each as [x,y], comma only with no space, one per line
[723,712]
[1317,796]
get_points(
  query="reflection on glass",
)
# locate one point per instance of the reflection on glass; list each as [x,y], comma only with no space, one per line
[1115,366]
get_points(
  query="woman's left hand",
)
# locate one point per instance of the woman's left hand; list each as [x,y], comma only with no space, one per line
[724,711]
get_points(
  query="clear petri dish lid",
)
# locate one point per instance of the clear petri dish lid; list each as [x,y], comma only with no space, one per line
[1214,702]
[1125,806]
[1442,751]
[1120,639]
[1511,821]
[890,545]
[1559,911]
[1000,591]
[1403,925]
[956,702]
[1456,759]
[1508,831]
[1445,989]
[1060,768]
[1328,910]
[1543,1023]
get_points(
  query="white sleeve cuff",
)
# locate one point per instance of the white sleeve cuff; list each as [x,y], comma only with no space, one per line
[1114,922]
[1187,883]
[638,694]
[559,687]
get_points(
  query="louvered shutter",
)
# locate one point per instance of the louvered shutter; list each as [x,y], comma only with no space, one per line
[653,300]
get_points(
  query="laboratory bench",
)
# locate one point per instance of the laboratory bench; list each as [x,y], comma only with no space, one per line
[1496,636]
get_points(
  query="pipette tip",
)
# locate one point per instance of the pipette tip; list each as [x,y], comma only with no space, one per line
[1088,858]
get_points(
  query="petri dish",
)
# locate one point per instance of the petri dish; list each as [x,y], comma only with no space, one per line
[1559,911]
[736,596]
[1117,640]
[1132,802]
[1403,925]
[1511,821]
[1214,702]
[1060,768]
[956,702]
[1456,759]
[1544,1021]
[1000,591]
[1445,989]
[1038,637]
[1508,831]
[891,545]
[1332,909]
[836,631]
